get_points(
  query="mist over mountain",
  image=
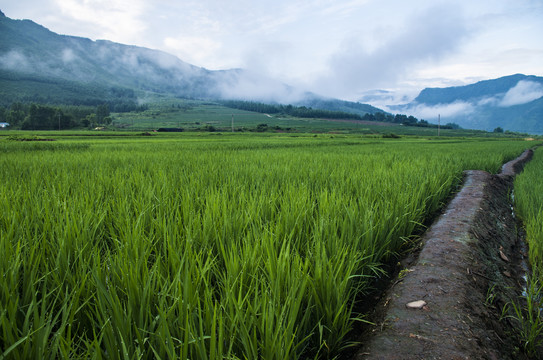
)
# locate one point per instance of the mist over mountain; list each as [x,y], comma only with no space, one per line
[512,102]
[39,65]
[30,49]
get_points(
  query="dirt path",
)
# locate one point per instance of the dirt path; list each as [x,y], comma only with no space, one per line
[469,267]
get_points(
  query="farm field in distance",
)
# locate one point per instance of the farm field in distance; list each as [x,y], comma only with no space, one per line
[208,246]
[197,115]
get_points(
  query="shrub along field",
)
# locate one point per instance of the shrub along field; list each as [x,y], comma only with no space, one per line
[209,247]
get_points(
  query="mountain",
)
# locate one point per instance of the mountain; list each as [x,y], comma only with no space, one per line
[38,65]
[31,53]
[512,102]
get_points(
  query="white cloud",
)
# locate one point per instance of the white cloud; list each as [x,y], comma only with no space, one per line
[14,60]
[489,101]
[193,49]
[342,9]
[426,38]
[338,48]
[68,56]
[522,93]
[117,20]
[451,110]
[252,86]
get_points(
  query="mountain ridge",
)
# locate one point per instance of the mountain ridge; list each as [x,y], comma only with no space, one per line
[38,65]
[479,89]
[93,69]
[513,102]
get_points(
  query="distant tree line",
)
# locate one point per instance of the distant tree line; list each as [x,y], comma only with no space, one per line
[304,112]
[297,111]
[405,120]
[47,117]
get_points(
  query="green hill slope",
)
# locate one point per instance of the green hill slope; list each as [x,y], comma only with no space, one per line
[37,65]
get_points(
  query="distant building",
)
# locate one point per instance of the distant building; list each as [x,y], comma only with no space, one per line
[4,125]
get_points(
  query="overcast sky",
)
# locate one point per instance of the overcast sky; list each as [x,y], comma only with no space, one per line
[335,48]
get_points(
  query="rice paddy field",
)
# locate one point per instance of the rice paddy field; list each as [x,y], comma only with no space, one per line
[529,204]
[197,246]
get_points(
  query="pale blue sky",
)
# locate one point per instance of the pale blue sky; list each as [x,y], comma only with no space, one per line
[335,48]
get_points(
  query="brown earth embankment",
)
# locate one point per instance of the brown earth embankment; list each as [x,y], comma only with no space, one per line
[470,265]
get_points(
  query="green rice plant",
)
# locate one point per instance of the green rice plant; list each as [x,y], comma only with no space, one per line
[529,206]
[528,203]
[193,246]
[528,317]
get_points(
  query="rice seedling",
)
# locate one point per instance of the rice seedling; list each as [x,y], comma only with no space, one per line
[527,315]
[209,247]
[528,312]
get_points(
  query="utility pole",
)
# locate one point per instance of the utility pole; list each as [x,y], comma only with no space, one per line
[59,120]
[232,122]
[438,123]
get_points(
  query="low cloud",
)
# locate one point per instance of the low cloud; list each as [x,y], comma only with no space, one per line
[522,93]
[428,37]
[68,56]
[153,67]
[14,60]
[489,101]
[248,85]
[430,113]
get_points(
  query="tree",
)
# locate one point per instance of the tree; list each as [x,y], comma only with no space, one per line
[46,118]
[452,125]
[379,116]
[368,117]
[410,121]
[400,118]
[102,111]
[89,120]
[39,118]
[62,120]
[423,123]
[498,130]
[16,114]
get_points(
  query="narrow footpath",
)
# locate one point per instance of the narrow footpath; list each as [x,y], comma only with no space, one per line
[447,303]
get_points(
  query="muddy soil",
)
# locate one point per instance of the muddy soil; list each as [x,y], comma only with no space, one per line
[471,264]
